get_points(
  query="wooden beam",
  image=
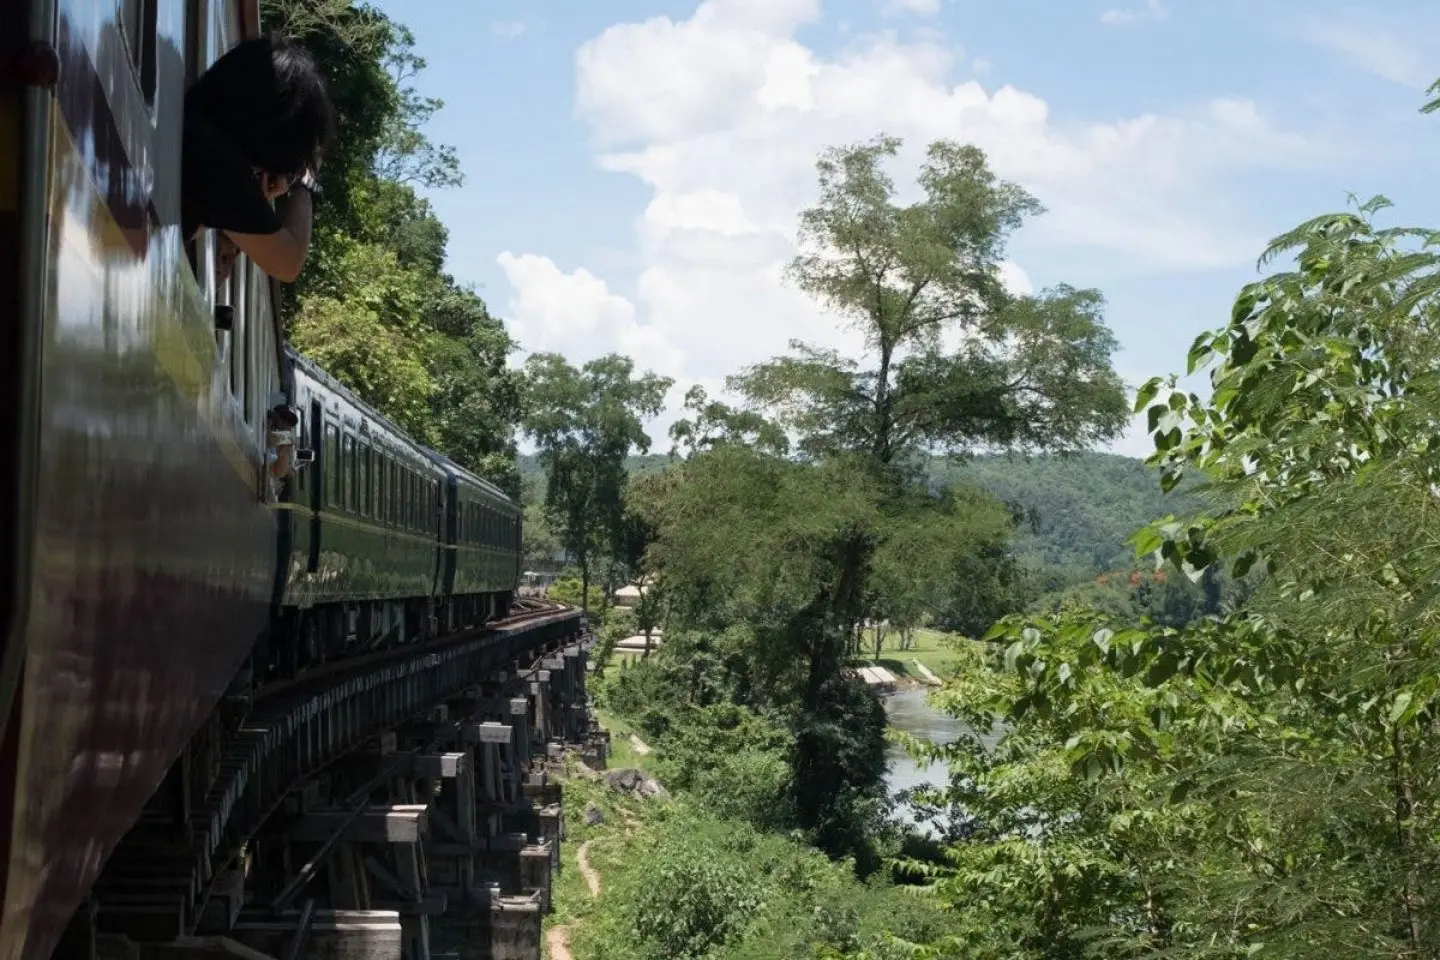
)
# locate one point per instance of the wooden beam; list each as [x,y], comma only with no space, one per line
[399,823]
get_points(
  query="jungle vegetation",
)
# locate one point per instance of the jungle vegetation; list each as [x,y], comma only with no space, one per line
[1217,742]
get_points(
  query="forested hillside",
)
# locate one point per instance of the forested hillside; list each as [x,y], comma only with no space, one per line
[1080,509]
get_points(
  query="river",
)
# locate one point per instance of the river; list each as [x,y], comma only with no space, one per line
[910,711]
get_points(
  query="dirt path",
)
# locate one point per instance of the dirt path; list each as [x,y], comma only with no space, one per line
[557,939]
[638,745]
[558,942]
[592,879]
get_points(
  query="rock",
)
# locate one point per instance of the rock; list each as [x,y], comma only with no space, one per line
[636,783]
[651,789]
[585,772]
[594,816]
[626,779]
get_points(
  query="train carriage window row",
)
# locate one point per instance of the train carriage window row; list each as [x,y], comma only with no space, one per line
[482,525]
[364,479]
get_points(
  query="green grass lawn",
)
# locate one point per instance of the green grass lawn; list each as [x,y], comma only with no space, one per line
[930,647]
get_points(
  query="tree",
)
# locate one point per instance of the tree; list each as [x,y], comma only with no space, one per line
[801,549]
[540,545]
[1261,783]
[1030,372]
[585,422]
[373,304]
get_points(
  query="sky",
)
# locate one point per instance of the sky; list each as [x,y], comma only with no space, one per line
[634,169]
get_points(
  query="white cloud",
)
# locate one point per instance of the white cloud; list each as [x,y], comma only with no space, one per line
[1152,11]
[922,7]
[721,117]
[1387,50]
[509,29]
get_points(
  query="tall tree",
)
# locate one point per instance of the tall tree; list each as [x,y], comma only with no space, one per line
[953,362]
[1019,371]
[585,422]
[846,529]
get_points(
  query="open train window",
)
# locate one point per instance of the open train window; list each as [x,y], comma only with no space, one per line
[234,294]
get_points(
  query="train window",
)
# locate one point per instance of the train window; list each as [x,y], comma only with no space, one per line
[362,478]
[390,493]
[372,466]
[330,465]
[407,519]
[137,22]
[347,473]
[379,481]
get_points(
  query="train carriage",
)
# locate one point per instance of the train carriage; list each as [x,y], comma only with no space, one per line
[360,527]
[138,550]
[145,556]
[480,555]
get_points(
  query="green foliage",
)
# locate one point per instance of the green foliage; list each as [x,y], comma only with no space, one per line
[373,305]
[1079,509]
[785,556]
[568,590]
[1261,784]
[585,422]
[363,325]
[1034,372]
[696,893]
[691,884]
[540,545]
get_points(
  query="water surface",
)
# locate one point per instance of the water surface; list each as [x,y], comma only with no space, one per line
[910,710]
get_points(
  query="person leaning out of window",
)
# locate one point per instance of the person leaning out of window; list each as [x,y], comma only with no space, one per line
[256,125]
[280,423]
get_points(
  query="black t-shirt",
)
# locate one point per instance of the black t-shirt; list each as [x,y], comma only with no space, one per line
[218,187]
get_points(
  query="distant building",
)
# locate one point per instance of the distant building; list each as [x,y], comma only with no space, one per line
[629,595]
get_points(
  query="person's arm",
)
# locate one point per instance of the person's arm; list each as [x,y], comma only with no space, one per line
[282,254]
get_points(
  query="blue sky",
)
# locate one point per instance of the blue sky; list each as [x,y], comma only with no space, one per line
[633,169]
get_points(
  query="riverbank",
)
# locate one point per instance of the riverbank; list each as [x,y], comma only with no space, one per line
[931,656]
[668,876]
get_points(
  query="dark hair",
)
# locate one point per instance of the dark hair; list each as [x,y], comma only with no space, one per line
[267,95]
[284,415]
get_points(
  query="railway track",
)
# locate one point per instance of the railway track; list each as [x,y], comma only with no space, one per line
[183,869]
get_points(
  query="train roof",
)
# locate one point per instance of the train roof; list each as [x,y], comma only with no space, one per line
[470,477]
[318,373]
